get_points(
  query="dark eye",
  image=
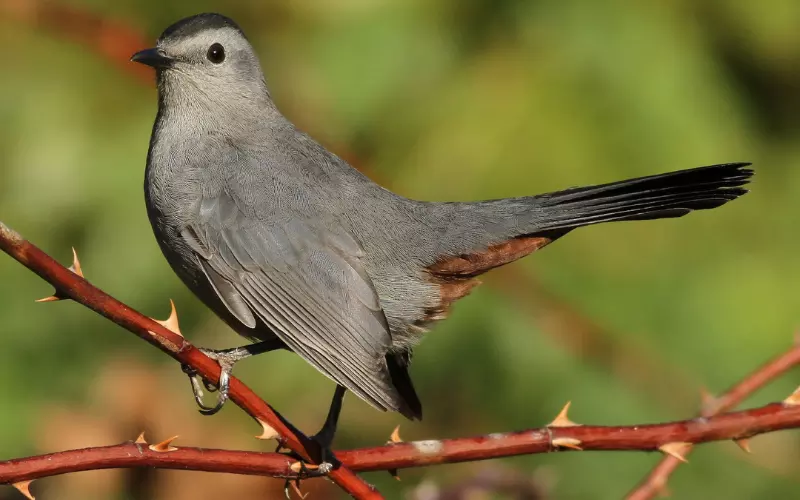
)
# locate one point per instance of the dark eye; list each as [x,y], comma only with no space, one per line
[216,53]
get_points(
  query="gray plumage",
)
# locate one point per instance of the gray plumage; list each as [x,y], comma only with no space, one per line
[281,238]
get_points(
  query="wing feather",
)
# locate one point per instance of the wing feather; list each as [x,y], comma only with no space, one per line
[306,282]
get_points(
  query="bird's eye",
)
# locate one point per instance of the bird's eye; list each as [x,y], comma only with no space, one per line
[216,53]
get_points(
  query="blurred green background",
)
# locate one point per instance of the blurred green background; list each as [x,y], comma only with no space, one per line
[438,100]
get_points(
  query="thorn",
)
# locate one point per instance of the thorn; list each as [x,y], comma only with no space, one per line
[171,323]
[56,296]
[561,419]
[164,446]
[297,467]
[793,399]
[24,488]
[676,450]
[566,442]
[394,474]
[395,437]
[76,264]
[744,444]
[75,268]
[141,439]
[269,432]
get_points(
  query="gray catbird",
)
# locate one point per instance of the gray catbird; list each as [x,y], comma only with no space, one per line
[293,247]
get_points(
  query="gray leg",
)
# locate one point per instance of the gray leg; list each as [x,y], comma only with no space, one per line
[226,358]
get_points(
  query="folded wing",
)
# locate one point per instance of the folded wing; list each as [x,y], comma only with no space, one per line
[305,281]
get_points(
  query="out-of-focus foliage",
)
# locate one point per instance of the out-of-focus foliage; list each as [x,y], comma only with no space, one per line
[437,100]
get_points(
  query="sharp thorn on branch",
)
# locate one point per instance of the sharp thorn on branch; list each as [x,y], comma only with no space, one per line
[52,298]
[744,444]
[75,268]
[141,439]
[676,450]
[300,466]
[395,436]
[76,264]
[24,488]
[171,323]
[567,442]
[793,399]
[562,420]
[165,445]
[267,431]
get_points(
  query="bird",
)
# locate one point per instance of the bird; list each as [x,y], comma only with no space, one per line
[295,249]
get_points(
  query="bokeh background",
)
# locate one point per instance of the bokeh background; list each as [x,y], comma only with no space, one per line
[438,100]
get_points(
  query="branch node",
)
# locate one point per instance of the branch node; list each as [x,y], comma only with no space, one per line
[562,420]
[429,447]
[677,450]
[707,401]
[164,446]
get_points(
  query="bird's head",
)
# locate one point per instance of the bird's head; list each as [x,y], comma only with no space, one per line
[206,62]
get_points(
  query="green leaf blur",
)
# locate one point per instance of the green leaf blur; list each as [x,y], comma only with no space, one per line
[438,100]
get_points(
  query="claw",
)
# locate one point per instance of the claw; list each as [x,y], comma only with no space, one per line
[226,359]
[212,410]
[197,391]
[304,471]
[224,385]
[295,485]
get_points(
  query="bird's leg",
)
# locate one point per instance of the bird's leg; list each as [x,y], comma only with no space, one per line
[226,358]
[326,434]
[324,438]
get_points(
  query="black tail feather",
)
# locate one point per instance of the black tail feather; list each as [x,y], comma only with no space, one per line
[673,194]
[398,370]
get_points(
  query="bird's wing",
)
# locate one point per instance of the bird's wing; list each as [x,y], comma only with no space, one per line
[306,282]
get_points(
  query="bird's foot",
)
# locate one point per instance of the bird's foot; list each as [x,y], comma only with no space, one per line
[226,359]
[324,439]
[303,471]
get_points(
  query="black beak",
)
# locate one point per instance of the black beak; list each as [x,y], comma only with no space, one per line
[152,57]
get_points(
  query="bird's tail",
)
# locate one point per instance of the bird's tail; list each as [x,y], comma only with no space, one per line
[654,197]
[476,237]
